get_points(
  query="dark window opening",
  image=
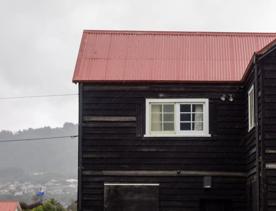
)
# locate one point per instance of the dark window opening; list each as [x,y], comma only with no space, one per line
[131,198]
[215,205]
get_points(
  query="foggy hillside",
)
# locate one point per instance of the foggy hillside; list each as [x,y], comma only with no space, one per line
[56,156]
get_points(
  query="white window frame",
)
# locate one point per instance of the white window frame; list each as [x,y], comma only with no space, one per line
[251,114]
[177,132]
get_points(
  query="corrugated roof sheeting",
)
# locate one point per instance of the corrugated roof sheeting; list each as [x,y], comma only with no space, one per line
[9,206]
[166,56]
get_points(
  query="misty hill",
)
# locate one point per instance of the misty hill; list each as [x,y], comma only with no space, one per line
[19,160]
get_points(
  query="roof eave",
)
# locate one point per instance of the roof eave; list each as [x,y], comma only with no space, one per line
[157,81]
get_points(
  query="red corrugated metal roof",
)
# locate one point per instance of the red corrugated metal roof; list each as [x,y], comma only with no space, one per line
[140,56]
[9,206]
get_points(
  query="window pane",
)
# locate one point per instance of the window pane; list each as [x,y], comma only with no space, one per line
[185,108]
[185,117]
[197,126]
[162,117]
[251,117]
[168,126]
[197,108]
[252,108]
[185,126]
[168,108]
[156,117]
[156,108]
[156,126]
[169,117]
[197,116]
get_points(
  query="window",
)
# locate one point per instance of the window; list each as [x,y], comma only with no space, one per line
[177,117]
[191,117]
[162,117]
[251,108]
[216,205]
[135,197]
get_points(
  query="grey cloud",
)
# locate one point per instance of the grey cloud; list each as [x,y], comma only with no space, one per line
[39,42]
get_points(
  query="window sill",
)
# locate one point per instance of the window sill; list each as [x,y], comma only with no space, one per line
[177,135]
[250,129]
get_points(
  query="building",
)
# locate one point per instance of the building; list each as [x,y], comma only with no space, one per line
[177,121]
[10,206]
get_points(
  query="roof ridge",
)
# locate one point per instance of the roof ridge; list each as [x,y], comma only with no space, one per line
[199,33]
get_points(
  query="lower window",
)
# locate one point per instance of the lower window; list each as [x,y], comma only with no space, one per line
[177,117]
[215,205]
[134,197]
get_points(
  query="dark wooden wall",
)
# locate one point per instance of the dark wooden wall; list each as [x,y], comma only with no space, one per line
[249,141]
[249,137]
[111,144]
[267,129]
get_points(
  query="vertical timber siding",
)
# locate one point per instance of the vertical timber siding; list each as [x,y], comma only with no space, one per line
[250,143]
[112,129]
[267,131]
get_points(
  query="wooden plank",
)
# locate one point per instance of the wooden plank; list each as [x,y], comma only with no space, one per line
[164,173]
[109,118]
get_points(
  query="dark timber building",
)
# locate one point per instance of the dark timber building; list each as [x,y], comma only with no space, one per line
[177,121]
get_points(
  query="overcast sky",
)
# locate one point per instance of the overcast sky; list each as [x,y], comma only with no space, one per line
[39,42]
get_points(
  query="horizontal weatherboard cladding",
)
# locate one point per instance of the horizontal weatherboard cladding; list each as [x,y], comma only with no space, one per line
[114,149]
[175,193]
[267,135]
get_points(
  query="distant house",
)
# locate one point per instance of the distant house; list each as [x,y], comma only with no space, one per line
[176,121]
[10,206]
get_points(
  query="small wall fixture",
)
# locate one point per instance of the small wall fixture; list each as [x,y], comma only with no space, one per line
[207,182]
[231,99]
[223,97]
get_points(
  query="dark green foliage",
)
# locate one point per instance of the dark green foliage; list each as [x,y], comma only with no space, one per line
[50,205]
[72,206]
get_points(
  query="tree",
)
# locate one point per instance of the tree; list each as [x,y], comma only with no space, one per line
[50,205]
[72,206]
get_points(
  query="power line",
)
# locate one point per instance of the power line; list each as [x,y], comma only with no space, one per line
[37,139]
[37,96]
